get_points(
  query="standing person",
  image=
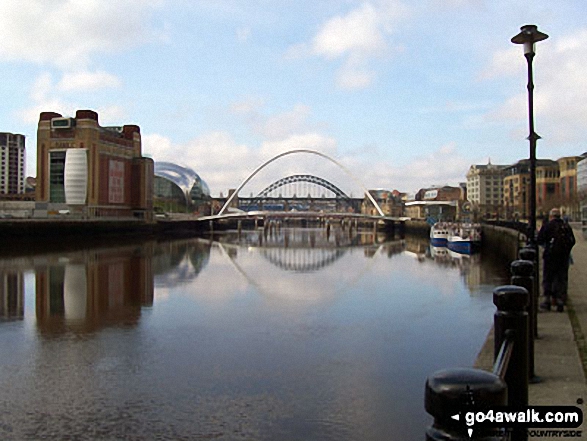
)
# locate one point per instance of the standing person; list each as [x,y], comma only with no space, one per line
[558,239]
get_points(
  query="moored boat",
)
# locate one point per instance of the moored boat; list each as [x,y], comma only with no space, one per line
[464,238]
[439,234]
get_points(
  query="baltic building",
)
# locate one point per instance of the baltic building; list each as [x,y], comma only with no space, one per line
[97,171]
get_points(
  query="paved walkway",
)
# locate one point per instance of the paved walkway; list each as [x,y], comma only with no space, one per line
[560,345]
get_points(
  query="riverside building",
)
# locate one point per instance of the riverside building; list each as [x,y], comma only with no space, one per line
[92,170]
[12,161]
[485,188]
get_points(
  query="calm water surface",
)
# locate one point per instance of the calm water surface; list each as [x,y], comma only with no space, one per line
[293,336]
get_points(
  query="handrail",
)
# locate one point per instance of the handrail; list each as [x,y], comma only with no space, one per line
[502,360]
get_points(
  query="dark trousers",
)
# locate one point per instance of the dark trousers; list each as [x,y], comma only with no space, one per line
[555,279]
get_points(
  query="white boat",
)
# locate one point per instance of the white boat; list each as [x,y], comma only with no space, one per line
[439,234]
[464,238]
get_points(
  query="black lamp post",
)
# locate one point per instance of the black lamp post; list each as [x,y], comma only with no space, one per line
[528,36]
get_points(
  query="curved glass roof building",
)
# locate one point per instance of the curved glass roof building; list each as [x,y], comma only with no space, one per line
[175,181]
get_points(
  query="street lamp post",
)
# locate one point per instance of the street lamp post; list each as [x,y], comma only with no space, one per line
[528,36]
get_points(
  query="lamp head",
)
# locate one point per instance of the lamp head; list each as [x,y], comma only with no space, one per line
[528,36]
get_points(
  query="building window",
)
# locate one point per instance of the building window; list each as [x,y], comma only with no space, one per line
[571,185]
[56,177]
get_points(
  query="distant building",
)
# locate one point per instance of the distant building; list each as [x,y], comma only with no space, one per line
[12,163]
[485,188]
[179,188]
[436,204]
[582,189]
[548,180]
[556,186]
[98,171]
[568,185]
[445,193]
[390,202]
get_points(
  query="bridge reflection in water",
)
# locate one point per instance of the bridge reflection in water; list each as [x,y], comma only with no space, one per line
[293,333]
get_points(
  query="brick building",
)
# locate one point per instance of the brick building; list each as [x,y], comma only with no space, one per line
[436,204]
[97,171]
[568,185]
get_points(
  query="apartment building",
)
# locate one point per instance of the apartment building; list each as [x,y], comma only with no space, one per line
[12,163]
[485,188]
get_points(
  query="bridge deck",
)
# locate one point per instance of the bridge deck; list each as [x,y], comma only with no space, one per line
[300,215]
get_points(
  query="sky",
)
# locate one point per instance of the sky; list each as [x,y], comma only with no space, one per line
[405,94]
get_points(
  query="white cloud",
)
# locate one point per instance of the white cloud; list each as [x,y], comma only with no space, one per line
[284,124]
[453,4]
[44,100]
[31,114]
[356,37]
[220,161]
[84,81]
[560,94]
[47,95]
[66,33]
[224,164]
[310,141]
[357,32]
[277,126]
[112,114]
[354,74]
[443,166]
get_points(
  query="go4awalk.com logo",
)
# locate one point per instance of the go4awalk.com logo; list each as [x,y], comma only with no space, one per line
[535,417]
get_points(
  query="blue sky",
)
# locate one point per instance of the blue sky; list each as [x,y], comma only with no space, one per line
[406,94]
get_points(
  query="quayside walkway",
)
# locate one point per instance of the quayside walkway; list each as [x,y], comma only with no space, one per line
[561,349]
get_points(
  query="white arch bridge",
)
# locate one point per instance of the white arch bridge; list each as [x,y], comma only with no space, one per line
[238,219]
[301,192]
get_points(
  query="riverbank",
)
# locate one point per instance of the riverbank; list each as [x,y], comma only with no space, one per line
[498,240]
[560,350]
[26,236]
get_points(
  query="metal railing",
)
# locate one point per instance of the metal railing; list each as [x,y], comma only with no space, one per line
[452,391]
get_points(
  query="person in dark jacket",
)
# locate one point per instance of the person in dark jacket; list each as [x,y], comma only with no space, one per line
[557,238]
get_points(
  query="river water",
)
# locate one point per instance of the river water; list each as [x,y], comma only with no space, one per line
[291,335]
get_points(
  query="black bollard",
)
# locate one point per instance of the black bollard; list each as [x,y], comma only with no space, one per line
[511,315]
[523,275]
[530,253]
[451,391]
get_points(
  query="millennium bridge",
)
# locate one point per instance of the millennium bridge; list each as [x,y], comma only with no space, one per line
[330,207]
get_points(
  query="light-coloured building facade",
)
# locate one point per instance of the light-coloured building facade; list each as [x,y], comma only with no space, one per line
[485,188]
[12,163]
[99,171]
[582,190]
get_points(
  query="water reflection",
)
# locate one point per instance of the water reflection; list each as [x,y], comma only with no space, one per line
[296,334]
[11,295]
[89,290]
[304,267]
[306,250]
[178,262]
